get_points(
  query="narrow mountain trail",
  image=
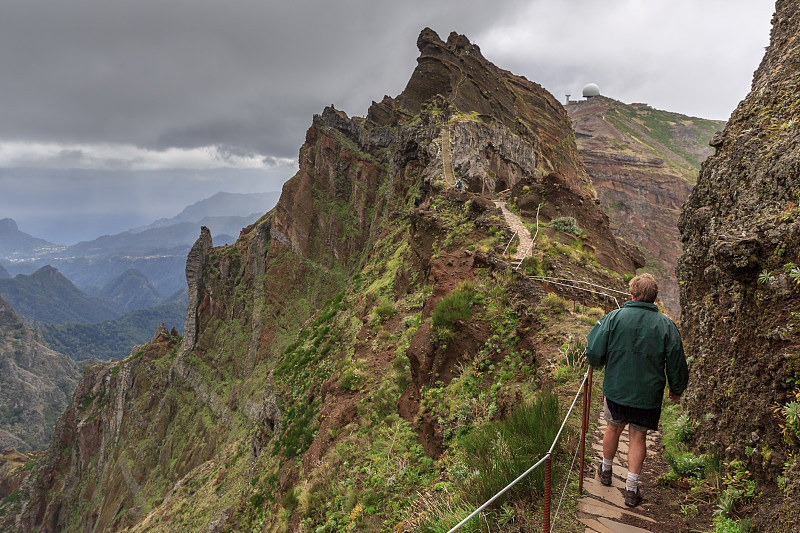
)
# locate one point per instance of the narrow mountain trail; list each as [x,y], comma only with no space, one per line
[603,509]
[447,160]
[516,224]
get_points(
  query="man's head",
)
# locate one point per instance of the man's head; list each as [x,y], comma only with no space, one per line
[644,288]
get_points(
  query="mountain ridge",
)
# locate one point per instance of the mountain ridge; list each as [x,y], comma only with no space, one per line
[643,163]
[48,296]
[36,385]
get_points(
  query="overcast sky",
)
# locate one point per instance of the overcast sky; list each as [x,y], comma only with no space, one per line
[114,114]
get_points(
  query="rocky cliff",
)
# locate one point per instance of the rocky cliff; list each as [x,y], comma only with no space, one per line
[643,163]
[739,275]
[324,378]
[36,384]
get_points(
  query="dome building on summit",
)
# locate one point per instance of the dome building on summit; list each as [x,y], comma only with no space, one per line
[591,90]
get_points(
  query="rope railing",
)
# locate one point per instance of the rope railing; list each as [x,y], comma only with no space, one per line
[509,243]
[530,246]
[547,459]
[584,282]
[577,287]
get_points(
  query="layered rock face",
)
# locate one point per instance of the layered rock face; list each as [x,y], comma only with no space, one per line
[642,163]
[36,385]
[739,275]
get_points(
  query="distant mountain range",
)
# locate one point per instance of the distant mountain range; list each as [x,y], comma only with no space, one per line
[97,299]
[47,296]
[15,244]
[158,250]
[222,204]
[130,290]
[115,338]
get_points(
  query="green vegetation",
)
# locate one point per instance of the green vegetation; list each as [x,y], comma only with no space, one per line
[455,306]
[114,338]
[790,413]
[682,135]
[496,453]
[567,225]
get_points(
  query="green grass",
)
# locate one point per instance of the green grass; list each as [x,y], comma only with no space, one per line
[455,306]
[498,452]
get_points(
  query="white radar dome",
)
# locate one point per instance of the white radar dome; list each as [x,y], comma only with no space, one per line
[590,90]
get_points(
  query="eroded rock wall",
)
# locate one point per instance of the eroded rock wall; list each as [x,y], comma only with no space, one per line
[739,292]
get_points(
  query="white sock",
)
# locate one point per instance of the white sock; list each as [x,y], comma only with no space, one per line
[632,483]
[607,464]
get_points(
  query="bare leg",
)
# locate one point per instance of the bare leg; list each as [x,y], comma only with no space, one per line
[611,441]
[636,451]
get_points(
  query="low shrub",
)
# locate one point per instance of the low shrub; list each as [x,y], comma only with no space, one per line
[554,302]
[498,452]
[567,225]
[455,306]
[574,354]
[385,310]
[444,513]
[684,428]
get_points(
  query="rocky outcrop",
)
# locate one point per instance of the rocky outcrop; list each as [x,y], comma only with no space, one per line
[741,236]
[36,384]
[643,162]
[195,263]
[457,73]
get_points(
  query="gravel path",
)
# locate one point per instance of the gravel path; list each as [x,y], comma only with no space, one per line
[516,224]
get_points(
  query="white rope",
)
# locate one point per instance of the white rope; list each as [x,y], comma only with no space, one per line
[564,423]
[531,469]
[549,280]
[530,247]
[509,243]
[566,482]
[582,281]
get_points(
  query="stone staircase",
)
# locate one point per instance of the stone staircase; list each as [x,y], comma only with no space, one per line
[603,509]
[516,224]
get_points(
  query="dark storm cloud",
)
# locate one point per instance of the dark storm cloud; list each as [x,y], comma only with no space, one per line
[162,74]
[165,73]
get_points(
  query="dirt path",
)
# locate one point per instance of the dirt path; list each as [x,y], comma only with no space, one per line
[516,224]
[447,161]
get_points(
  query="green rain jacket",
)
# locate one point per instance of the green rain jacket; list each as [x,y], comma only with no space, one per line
[641,350]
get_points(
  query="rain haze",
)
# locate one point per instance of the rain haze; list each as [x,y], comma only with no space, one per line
[119,113]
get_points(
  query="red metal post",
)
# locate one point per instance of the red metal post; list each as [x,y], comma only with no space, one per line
[584,426]
[547,481]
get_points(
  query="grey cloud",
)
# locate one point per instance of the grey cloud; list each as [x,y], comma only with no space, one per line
[166,73]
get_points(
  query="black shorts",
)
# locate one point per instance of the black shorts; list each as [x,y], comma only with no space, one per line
[637,418]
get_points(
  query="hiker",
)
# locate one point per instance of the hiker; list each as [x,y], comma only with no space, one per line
[459,185]
[639,346]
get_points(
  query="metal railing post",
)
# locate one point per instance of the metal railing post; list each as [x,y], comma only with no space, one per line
[547,481]
[583,440]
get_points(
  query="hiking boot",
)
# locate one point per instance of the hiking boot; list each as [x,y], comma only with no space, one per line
[604,475]
[632,499]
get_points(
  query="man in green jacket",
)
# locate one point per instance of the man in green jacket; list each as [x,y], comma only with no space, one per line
[642,352]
